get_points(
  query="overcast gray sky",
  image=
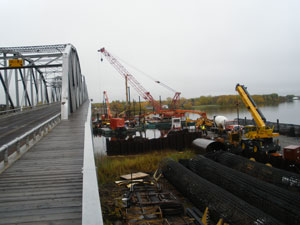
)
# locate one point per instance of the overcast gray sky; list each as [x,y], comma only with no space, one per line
[196,47]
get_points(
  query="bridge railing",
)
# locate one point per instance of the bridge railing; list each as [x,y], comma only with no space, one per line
[91,208]
[25,109]
[23,143]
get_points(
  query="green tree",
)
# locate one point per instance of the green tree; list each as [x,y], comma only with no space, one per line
[117,106]
[187,105]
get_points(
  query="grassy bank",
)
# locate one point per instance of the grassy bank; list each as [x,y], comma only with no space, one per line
[111,167]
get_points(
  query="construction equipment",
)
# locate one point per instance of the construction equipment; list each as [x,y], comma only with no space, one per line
[107,119]
[109,116]
[129,78]
[259,137]
[176,97]
[204,121]
[106,116]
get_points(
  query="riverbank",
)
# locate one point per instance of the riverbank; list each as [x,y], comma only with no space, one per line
[286,113]
[110,168]
[114,194]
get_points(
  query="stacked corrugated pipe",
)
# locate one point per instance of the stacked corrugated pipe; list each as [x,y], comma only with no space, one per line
[221,203]
[278,177]
[280,203]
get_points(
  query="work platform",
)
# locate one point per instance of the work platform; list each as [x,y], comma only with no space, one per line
[45,185]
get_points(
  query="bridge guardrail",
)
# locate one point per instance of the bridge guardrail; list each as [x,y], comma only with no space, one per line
[41,130]
[91,208]
[25,109]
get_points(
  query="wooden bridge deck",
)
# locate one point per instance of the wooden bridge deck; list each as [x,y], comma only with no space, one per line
[45,185]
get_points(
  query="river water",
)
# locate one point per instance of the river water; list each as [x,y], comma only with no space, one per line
[288,112]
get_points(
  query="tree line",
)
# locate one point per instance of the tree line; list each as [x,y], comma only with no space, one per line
[118,107]
[231,100]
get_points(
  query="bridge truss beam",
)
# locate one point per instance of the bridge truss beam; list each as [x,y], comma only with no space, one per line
[45,74]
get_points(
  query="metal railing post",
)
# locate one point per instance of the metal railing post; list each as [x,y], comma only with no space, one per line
[18,147]
[34,136]
[6,155]
[27,141]
[45,130]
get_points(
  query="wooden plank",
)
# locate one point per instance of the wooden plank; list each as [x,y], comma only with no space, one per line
[52,222]
[37,212]
[137,175]
[45,186]
[40,204]
[42,218]
[25,184]
[36,190]
[39,186]
[40,195]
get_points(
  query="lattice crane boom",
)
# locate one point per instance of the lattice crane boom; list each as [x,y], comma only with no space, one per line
[131,79]
[176,97]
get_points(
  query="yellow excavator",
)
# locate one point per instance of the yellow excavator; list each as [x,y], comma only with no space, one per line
[259,137]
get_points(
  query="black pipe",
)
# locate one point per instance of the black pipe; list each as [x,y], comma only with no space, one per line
[278,177]
[207,145]
[282,204]
[221,203]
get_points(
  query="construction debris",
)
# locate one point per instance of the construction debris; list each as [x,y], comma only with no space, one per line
[146,202]
[131,176]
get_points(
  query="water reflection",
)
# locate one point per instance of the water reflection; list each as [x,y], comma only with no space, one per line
[100,141]
[99,144]
[287,112]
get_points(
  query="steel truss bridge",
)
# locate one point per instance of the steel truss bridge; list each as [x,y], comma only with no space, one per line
[36,75]
[45,113]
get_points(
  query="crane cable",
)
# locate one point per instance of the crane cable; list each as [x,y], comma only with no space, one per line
[147,75]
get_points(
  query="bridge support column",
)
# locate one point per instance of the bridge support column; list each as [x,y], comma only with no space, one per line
[65,101]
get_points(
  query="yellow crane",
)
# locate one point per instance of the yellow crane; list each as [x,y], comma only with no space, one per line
[260,136]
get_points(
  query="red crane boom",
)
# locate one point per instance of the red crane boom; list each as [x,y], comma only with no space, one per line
[107,103]
[176,97]
[134,83]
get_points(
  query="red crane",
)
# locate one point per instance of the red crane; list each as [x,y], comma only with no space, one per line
[134,83]
[107,104]
[114,123]
[176,97]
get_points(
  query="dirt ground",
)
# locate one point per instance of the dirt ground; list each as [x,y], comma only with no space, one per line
[113,209]
[111,195]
